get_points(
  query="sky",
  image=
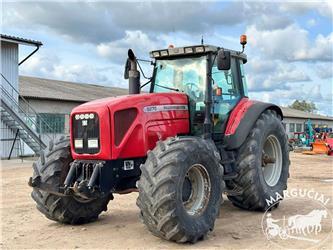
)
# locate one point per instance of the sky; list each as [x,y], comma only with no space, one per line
[290,44]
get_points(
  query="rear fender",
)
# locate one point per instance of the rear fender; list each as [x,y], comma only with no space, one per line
[242,120]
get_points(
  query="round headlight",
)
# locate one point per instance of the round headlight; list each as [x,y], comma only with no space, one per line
[91,116]
[86,116]
[82,116]
[77,117]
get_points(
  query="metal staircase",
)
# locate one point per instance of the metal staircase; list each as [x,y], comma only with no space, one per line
[23,122]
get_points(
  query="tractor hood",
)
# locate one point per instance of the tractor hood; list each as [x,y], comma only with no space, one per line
[126,126]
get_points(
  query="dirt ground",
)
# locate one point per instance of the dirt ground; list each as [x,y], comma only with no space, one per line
[24,227]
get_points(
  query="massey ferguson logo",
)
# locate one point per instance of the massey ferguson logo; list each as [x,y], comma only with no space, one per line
[311,226]
[160,108]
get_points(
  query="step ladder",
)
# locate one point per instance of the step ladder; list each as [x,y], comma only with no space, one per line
[23,124]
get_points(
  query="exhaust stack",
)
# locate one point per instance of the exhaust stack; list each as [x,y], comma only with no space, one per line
[132,74]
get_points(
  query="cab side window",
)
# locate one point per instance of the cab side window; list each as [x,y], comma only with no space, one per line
[229,83]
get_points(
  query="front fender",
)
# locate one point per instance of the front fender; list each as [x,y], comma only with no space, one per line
[242,120]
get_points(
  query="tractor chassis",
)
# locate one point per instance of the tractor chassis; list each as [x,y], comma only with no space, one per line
[89,179]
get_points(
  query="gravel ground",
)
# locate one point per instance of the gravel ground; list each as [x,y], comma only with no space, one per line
[24,227]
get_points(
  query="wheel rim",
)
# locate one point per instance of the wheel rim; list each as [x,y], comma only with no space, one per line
[196,190]
[272,160]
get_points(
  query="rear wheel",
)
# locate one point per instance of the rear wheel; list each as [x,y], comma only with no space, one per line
[262,164]
[51,168]
[180,189]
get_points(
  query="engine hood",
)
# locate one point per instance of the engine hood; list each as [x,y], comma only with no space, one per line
[130,125]
[139,100]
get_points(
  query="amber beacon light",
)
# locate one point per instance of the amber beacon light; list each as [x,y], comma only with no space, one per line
[243,41]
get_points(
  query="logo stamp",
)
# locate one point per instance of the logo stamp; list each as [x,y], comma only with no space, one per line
[302,217]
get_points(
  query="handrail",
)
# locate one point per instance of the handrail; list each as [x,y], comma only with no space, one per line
[22,98]
[27,115]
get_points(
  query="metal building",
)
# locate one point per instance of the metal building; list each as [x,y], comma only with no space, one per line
[295,120]
[16,126]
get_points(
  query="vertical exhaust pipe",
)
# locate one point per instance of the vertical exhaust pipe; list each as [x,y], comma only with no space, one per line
[132,74]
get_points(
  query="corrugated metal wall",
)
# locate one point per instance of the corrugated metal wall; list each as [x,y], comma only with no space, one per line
[9,68]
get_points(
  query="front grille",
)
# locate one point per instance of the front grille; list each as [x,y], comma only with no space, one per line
[85,127]
[123,120]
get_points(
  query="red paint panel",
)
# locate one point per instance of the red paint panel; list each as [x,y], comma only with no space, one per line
[237,115]
[145,130]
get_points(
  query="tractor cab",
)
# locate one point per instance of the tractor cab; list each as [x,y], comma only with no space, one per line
[208,75]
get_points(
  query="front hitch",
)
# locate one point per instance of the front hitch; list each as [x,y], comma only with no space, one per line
[82,181]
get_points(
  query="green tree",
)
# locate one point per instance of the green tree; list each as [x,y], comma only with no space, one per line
[303,106]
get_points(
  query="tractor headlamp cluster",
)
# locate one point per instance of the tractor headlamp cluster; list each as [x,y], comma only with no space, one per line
[171,51]
[85,132]
[84,116]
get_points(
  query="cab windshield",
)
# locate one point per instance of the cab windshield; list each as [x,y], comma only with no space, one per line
[186,75]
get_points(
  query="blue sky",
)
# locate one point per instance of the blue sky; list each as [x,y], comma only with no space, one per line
[289,43]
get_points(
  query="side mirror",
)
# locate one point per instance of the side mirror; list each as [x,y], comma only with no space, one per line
[223,60]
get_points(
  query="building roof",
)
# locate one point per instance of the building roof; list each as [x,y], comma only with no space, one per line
[294,113]
[19,40]
[40,88]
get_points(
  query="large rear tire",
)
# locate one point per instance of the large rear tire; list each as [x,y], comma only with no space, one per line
[51,168]
[259,179]
[180,189]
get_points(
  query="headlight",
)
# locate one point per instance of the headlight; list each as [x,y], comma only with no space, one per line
[164,53]
[84,116]
[188,50]
[92,143]
[199,49]
[78,143]
[156,54]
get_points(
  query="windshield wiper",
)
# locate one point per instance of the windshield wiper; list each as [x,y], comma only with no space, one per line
[167,87]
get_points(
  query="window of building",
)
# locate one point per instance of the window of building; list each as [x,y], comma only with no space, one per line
[292,127]
[50,123]
[298,127]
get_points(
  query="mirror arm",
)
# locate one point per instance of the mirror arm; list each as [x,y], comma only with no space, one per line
[143,85]
[143,74]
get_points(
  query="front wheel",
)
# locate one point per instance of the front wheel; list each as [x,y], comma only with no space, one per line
[180,189]
[262,164]
[51,168]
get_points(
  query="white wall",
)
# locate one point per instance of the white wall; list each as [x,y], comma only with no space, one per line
[9,68]
[51,107]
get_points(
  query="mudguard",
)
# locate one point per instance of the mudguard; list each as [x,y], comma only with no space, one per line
[242,120]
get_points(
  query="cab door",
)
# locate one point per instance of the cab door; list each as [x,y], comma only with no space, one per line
[230,92]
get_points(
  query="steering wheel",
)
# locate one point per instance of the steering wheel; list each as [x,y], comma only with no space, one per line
[193,91]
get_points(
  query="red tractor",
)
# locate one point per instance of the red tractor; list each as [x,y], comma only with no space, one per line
[194,136]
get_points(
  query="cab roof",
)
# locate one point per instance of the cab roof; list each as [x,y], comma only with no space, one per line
[192,50]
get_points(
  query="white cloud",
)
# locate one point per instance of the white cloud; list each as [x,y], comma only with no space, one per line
[324,8]
[270,75]
[321,50]
[49,66]
[117,50]
[284,97]
[311,23]
[291,44]
[324,70]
